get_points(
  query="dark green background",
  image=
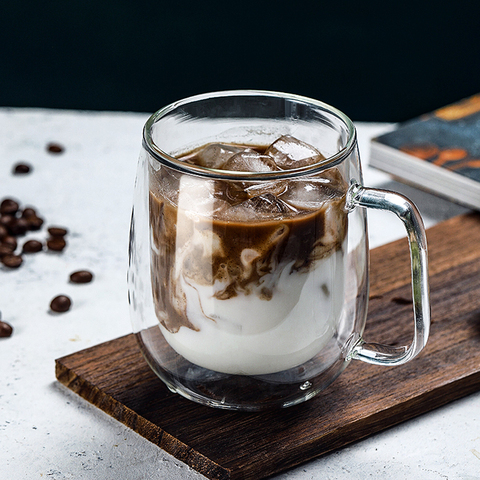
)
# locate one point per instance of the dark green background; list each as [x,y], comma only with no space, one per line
[377,61]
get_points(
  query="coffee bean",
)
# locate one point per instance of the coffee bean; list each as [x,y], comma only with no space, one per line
[14,223]
[5,250]
[6,219]
[55,148]
[32,246]
[34,222]
[61,303]
[19,226]
[21,169]
[11,261]
[57,231]
[10,241]
[9,206]
[29,212]
[57,244]
[81,276]
[6,329]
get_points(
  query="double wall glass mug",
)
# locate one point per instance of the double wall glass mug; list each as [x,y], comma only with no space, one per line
[248,255]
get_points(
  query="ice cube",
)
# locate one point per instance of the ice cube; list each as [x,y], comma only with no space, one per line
[164,183]
[262,207]
[275,187]
[268,204]
[216,154]
[250,161]
[289,152]
[311,193]
[197,197]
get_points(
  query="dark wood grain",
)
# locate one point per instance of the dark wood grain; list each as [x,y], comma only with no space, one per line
[364,400]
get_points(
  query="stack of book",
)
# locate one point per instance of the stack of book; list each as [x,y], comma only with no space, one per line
[438,152]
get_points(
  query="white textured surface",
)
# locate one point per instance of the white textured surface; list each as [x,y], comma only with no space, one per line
[48,432]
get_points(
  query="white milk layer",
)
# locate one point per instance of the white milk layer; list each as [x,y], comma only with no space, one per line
[247,335]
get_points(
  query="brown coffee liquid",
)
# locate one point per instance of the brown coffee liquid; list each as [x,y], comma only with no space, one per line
[231,234]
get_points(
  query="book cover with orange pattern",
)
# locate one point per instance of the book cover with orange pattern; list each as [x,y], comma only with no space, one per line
[438,152]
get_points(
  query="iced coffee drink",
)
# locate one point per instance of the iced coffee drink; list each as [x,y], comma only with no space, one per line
[248,276]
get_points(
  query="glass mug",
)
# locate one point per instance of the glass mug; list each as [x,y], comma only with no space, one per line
[248,255]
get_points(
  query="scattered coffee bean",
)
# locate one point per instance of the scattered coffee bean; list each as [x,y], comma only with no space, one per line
[82,276]
[11,261]
[10,241]
[15,222]
[19,226]
[6,329]
[6,219]
[9,206]
[57,244]
[21,169]
[34,222]
[61,303]
[29,212]
[55,148]
[57,231]
[5,250]
[32,246]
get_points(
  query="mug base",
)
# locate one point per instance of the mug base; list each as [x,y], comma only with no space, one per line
[240,392]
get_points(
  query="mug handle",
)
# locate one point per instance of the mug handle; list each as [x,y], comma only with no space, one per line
[378,354]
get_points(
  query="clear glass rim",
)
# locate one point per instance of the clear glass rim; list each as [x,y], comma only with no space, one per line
[166,159]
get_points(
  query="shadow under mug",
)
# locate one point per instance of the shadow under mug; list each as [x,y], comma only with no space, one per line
[249,290]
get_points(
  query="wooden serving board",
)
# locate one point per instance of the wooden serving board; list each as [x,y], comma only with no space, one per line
[365,399]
